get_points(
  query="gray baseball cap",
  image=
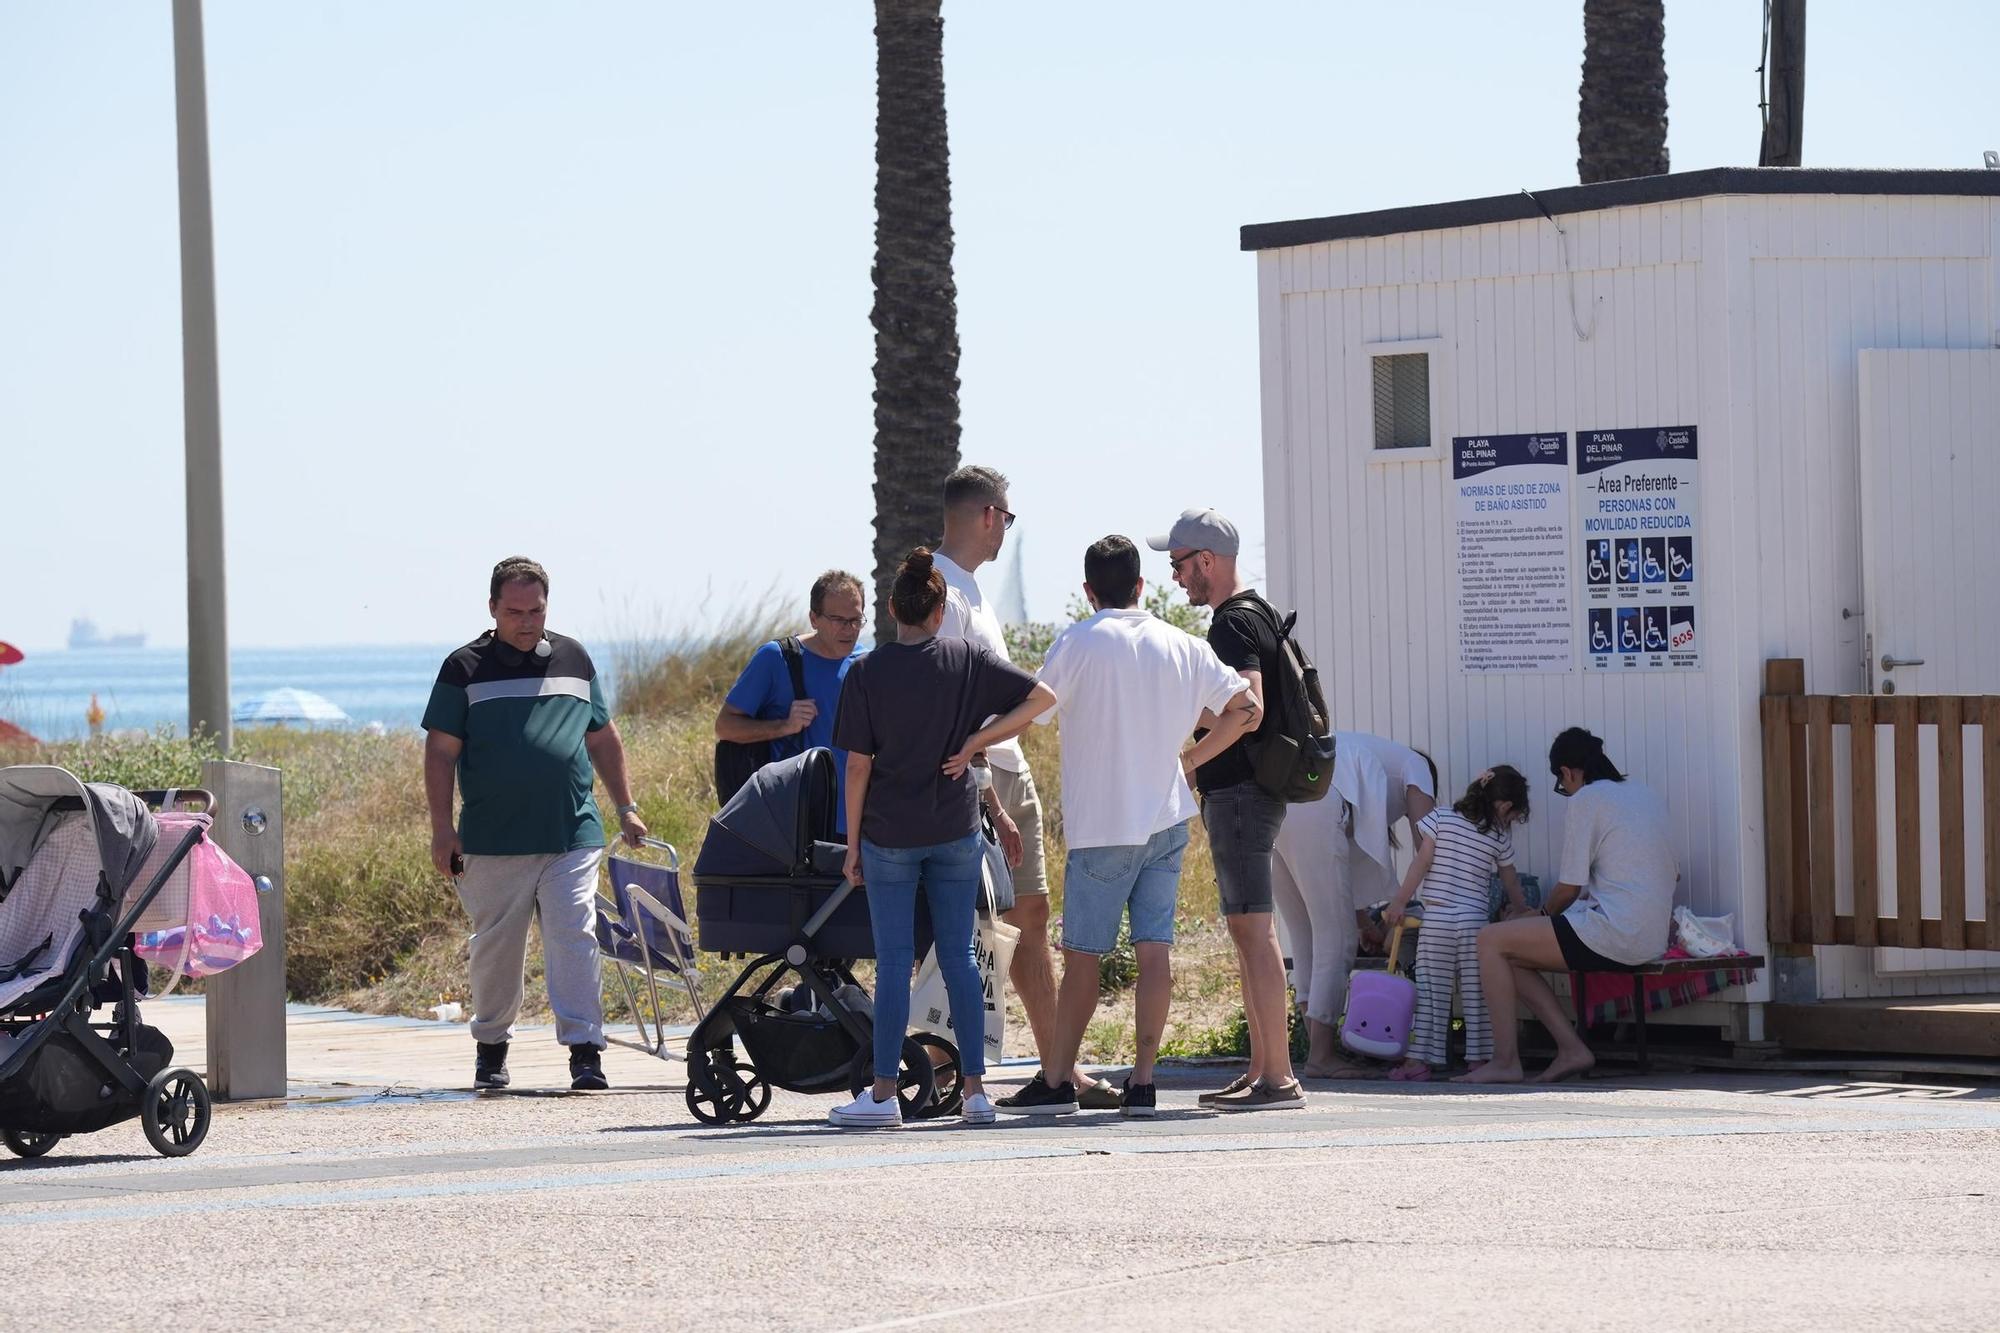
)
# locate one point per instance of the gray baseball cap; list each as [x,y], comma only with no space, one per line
[1199,530]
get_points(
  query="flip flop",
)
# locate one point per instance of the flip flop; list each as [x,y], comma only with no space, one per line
[1404,1074]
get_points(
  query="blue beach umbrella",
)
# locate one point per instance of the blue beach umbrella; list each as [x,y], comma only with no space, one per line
[288,705]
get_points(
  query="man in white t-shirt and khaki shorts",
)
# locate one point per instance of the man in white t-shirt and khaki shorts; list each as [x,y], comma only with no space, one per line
[976,521]
[1129,690]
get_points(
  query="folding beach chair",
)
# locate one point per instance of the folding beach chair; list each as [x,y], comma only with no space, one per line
[642,930]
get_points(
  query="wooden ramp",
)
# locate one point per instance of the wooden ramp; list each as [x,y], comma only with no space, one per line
[1967,1026]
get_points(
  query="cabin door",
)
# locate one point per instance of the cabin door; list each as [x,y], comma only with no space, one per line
[1930,560]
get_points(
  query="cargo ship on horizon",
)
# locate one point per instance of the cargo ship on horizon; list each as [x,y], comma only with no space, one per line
[83,633]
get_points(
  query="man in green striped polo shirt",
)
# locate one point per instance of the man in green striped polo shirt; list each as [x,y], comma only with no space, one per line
[517,719]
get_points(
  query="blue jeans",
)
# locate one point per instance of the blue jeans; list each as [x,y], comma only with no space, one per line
[1103,884]
[949,874]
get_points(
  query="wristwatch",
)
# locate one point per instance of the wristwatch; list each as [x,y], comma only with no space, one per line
[625,810]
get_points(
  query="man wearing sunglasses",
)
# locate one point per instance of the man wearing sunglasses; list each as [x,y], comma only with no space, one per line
[976,522]
[765,707]
[1242,819]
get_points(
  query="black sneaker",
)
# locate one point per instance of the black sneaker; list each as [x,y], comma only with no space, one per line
[489,1066]
[1038,1098]
[586,1069]
[1138,1101]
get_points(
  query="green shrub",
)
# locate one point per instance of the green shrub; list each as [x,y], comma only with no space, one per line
[1232,1039]
[160,759]
[1118,970]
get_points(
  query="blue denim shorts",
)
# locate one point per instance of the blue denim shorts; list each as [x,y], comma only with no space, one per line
[1100,883]
[1242,823]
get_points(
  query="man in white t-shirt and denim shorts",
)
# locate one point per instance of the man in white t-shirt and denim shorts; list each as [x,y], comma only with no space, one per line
[976,522]
[1129,688]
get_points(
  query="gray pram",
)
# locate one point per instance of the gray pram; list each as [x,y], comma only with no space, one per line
[80,864]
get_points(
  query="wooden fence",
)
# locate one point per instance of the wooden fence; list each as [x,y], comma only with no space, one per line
[1804,807]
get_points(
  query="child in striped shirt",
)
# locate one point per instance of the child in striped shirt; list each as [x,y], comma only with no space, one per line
[1459,850]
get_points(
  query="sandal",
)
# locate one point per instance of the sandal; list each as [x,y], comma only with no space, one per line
[1410,1074]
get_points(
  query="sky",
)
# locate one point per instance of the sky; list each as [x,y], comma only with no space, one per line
[590,283]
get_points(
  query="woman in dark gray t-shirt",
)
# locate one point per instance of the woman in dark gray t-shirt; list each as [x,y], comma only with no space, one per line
[910,718]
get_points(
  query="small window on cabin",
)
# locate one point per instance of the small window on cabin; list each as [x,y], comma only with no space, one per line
[1403,401]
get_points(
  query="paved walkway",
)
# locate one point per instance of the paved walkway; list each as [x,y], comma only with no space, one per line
[383,1196]
[330,1051]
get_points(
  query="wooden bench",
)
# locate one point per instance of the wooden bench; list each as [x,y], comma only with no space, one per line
[1659,967]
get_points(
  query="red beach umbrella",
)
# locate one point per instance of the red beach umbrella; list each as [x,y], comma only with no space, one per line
[9,654]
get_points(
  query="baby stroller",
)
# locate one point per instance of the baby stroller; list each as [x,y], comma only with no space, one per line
[768,884]
[80,865]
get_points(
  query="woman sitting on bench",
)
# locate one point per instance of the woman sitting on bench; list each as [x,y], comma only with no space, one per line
[1609,912]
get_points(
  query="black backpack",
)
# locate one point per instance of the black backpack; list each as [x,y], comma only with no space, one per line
[1291,754]
[736,761]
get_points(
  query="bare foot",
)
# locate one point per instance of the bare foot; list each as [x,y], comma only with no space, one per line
[1492,1072]
[1565,1065]
[1335,1068]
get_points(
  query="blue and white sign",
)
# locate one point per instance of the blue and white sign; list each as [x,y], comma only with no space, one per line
[1513,517]
[1640,546]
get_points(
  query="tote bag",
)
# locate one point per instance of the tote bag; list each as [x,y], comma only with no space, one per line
[993,944]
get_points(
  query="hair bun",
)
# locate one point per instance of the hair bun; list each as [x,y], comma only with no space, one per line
[918,561]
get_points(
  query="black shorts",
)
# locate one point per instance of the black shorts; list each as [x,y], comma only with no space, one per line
[1580,957]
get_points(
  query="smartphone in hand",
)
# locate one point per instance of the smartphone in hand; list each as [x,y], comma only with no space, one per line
[457,865]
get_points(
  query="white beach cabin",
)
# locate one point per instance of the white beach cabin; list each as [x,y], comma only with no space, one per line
[1621,455]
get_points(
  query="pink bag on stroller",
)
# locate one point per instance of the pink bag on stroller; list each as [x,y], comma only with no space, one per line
[1380,1008]
[219,927]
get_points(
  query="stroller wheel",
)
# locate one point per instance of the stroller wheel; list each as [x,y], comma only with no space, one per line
[174,1112]
[27,1143]
[916,1086]
[721,1089]
[947,1076]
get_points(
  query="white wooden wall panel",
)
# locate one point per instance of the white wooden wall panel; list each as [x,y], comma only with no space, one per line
[1740,315]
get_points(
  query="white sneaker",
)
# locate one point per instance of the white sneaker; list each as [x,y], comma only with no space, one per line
[977,1110]
[864,1112]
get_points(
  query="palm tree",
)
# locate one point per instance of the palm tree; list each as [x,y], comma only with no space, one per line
[1622,108]
[916,301]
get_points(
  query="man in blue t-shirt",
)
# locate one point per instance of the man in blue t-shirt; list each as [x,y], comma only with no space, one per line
[761,705]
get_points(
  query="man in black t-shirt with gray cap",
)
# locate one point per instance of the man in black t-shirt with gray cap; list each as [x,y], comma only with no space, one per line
[1242,819]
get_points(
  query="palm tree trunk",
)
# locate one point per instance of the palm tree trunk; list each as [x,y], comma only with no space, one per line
[1622,107]
[916,301]
[1785,104]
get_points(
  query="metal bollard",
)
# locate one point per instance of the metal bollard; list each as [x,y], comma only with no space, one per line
[246,1004]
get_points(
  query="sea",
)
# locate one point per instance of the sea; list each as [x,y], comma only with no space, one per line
[48,694]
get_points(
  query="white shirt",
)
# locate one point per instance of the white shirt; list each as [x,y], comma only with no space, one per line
[968,616]
[1130,688]
[1617,846]
[1400,766]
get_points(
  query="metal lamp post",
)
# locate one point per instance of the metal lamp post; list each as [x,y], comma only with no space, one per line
[207,597]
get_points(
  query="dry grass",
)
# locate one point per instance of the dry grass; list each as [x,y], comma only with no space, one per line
[660,677]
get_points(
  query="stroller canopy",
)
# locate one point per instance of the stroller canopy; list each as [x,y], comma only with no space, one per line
[32,795]
[769,827]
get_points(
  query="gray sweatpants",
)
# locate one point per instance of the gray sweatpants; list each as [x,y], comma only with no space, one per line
[501,894]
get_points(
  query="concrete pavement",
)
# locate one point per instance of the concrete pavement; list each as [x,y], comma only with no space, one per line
[385,1197]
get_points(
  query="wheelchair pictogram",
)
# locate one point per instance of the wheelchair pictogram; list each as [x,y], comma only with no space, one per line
[1680,558]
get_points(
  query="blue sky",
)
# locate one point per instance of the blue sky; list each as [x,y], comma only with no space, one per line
[591,282]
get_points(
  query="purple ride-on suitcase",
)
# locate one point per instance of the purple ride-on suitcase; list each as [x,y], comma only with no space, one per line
[1380,1007]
